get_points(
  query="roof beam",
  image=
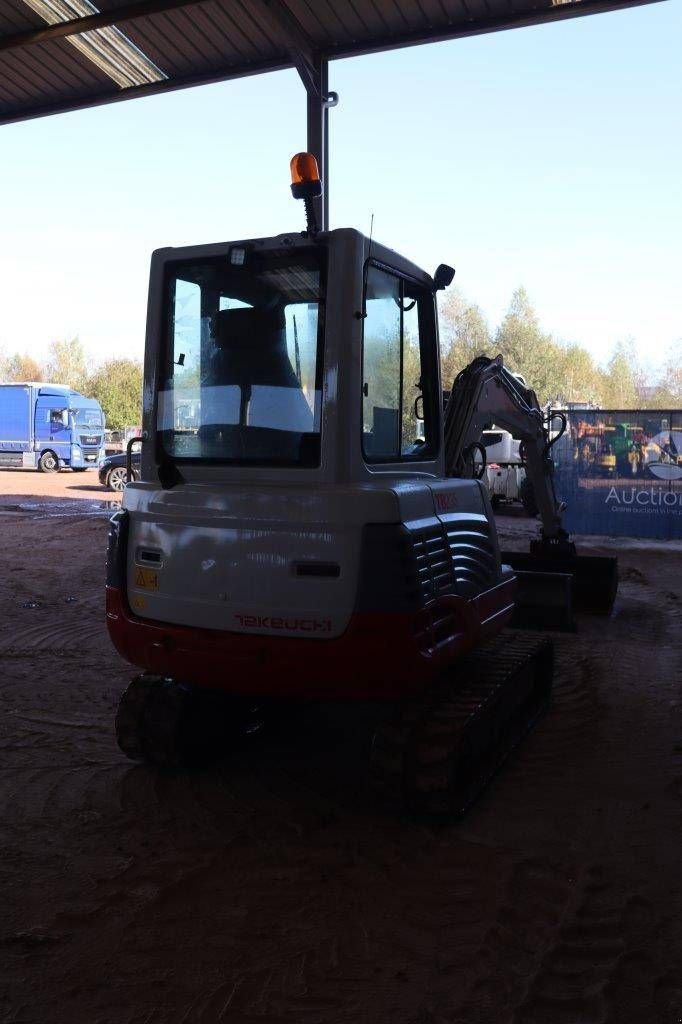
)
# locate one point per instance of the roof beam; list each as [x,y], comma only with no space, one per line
[298,43]
[61,29]
[560,10]
[295,41]
[285,30]
[190,81]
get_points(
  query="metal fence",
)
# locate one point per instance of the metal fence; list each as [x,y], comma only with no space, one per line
[620,472]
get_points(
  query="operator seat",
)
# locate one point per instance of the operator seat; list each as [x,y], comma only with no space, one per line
[253,404]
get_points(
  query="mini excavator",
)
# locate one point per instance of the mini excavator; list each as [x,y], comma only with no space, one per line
[308,522]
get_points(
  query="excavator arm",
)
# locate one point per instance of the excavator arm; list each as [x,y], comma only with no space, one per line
[486,392]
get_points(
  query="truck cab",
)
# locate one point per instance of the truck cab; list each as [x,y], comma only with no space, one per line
[70,425]
[49,427]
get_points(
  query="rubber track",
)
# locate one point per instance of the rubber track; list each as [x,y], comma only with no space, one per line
[174,725]
[150,719]
[440,752]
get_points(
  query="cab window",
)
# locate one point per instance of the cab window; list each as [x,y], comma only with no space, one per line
[399,375]
[244,359]
[55,419]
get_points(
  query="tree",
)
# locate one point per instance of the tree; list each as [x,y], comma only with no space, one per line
[67,364]
[580,379]
[527,350]
[622,377]
[20,367]
[464,335]
[668,393]
[117,385]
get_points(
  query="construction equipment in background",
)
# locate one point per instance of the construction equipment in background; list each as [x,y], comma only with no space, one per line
[505,472]
[595,454]
[610,449]
[306,539]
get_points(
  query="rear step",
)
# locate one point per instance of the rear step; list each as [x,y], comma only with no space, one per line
[595,578]
[439,753]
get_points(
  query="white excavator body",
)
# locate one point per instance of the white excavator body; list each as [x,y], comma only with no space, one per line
[307,523]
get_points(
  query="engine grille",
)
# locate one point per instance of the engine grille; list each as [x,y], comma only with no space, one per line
[433,562]
[454,555]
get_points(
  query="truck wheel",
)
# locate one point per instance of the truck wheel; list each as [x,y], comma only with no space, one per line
[48,463]
[527,496]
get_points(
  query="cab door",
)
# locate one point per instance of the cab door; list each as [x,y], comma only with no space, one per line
[52,430]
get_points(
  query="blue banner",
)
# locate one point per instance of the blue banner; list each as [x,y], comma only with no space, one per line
[620,473]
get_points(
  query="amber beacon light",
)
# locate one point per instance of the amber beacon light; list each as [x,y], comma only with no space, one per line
[305,177]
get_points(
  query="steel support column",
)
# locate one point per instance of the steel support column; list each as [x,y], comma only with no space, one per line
[318,103]
[313,71]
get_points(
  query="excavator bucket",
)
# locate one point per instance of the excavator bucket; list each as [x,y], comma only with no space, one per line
[543,600]
[593,579]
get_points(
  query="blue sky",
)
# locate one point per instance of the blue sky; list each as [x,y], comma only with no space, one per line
[549,157]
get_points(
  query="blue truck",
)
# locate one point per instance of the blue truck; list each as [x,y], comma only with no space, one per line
[49,427]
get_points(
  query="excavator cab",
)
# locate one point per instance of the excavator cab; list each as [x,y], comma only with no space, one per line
[249,337]
[307,494]
[298,529]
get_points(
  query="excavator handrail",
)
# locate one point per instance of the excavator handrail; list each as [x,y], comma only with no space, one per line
[552,415]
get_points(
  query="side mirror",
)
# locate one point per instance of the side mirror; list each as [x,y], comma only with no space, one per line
[443,276]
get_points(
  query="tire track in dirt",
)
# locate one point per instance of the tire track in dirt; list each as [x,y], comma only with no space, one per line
[562,950]
[60,640]
[538,895]
[601,971]
[44,795]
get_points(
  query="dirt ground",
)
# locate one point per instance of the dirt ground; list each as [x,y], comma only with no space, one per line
[271,888]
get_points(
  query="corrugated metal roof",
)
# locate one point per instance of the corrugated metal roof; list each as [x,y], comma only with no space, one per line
[197,41]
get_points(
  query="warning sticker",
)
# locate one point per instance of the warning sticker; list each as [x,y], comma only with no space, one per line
[147,579]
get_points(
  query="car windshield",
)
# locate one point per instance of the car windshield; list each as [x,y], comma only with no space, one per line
[243,359]
[91,418]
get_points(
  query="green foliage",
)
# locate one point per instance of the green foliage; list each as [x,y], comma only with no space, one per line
[381,372]
[382,376]
[557,372]
[411,389]
[579,379]
[527,349]
[67,364]
[20,367]
[619,389]
[464,335]
[117,385]
[668,393]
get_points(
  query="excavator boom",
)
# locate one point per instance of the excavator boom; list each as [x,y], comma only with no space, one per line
[553,578]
